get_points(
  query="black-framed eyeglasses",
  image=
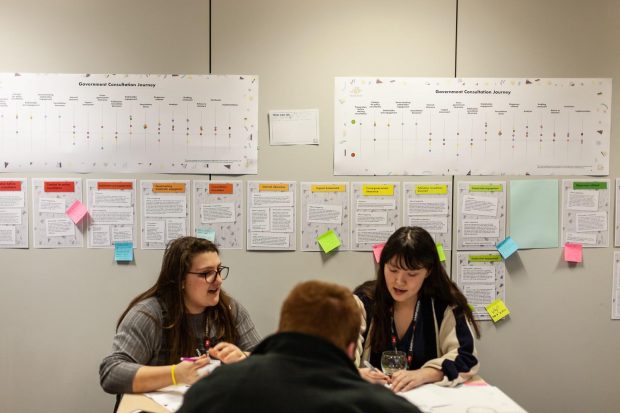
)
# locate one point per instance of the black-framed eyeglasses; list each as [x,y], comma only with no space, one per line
[210,275]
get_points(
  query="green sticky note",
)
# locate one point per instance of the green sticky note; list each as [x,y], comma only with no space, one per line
[533,213]
[590,185]
[497,310]
[440,252]
[485,258]
[471,307]
[328,241]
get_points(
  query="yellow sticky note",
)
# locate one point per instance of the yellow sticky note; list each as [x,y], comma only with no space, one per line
[378,190]
[328,241]
[440,252]
[471,307]
[497,310]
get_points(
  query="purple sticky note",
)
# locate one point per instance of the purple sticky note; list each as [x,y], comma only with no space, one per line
[376,250]
[76,211]
[573,252]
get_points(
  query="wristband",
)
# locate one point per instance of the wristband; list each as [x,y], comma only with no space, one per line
[174,379]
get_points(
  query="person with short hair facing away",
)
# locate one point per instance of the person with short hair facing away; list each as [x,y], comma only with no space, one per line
[413,307]
[185,313]
[305,367]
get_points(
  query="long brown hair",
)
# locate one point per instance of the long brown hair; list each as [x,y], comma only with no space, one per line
[179,337]
[413,248]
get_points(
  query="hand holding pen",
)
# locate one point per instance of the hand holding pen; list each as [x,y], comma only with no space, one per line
[371,374]
[187,370]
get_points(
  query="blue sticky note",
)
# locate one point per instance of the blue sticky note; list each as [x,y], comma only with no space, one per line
[507,247]
[123,251]
[206,234]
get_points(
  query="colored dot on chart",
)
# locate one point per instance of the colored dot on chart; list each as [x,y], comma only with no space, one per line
[352,121]
[352,154]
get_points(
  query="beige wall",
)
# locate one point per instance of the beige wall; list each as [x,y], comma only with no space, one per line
[58,307]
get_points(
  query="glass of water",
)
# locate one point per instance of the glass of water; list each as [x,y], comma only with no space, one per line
[392,361]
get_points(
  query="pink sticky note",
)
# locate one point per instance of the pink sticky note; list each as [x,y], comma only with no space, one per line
[376,250]
[573,252]
[76,211]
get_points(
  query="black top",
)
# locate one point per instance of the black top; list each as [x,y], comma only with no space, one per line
[292,372]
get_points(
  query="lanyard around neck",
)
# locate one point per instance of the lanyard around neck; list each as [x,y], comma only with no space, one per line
[414,322]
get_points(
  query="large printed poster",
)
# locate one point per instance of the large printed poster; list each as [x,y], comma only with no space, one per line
[129,123]
[471,126]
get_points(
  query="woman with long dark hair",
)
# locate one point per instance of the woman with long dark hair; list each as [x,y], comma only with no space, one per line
[184,314]
[414,307]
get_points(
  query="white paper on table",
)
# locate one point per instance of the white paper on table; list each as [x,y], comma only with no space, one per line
[477,274]
[370,217]
[111,216]
[175,228]
[591,222]
[294,127]
[373,235]
[59,227]
[427,206]
[7,235]
[110,198]
[10,216]
[434,225]
[582,200]
[12,199]
[99,235]
[324,214]
[259,219]
[281,219]
[52,205]
[170,206]
[584,238]
[269,239]
[376,203]
[480,205]
[122,234]
[154,231]
[480,228]
[272,199]
[214,213]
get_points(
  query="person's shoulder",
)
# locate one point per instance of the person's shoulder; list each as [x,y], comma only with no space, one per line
[149,307]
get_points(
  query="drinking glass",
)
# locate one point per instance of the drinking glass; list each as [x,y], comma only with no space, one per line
[392,361]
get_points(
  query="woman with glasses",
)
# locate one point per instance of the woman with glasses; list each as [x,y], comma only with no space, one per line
[168,332]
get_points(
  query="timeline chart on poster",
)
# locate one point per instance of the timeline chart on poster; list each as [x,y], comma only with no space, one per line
[324,206]
[13,213]
[482,215]
[271,217]
[129,123]
[376,213]
[617,227]
[51,226]
[165,212]
[615,288]
[481,277]
[429,205]
[111,207]
[585,212]
[471,126]
[218,212]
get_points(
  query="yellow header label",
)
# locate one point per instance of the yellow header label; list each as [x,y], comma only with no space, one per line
[273,187]
[328,188]
[378,190]
[168,187]
[440,189]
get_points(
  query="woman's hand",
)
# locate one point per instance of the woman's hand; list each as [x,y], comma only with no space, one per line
[227,353]
[187,371]
[403,380]
[374,376]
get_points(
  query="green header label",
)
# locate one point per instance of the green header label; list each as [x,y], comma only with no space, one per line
[486,188]
[485,258]
[590,185]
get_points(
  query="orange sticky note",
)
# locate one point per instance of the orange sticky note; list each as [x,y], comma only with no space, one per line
[573,252]
[76,211]
[376,250]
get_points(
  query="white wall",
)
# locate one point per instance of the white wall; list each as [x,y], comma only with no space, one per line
[58,308]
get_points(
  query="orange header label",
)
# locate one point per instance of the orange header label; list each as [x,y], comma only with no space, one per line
[221,189]
[102,185]
[169,187]
[273,187]
[58,186]
[10,185]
